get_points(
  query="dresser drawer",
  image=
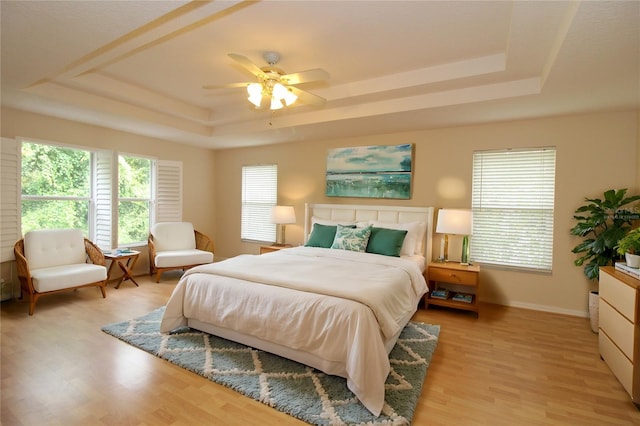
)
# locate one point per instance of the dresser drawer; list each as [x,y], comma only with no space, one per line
[621,367]
[622,297]
[453,276]
[619,329]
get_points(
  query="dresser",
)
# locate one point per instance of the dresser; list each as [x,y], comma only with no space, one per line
[619,326]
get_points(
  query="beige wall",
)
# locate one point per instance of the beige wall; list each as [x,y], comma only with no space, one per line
[198,163]
[594,153]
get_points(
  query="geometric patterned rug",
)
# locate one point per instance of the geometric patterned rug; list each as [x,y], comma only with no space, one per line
[286,385]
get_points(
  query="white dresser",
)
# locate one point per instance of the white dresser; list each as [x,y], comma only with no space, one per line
[619,326]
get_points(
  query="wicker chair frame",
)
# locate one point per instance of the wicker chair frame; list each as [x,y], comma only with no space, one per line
[94,254]
[203,242]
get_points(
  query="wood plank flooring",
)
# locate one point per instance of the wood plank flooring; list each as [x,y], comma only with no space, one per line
[508,367]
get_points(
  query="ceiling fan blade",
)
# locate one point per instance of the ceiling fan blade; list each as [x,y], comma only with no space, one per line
[305,76]
[245,62]
[307,97]
[225,86]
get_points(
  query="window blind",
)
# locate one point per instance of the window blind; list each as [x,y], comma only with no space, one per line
[168,190]
[259,195]
[513,205]
[9,197]
[103,196]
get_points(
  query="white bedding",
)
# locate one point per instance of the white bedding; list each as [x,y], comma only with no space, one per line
[344,308]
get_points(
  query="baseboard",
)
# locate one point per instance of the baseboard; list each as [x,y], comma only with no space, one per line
[545,308]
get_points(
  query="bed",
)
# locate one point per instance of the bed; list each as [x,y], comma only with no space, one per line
[337,310]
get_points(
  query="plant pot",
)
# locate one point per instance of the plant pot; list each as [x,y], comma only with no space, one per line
[633,260]
[594,301]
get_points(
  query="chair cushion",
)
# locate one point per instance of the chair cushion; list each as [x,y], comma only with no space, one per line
[67,276]
[46,248]
[177,258]
[173,236]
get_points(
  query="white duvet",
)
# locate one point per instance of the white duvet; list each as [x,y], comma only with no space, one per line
[343,308]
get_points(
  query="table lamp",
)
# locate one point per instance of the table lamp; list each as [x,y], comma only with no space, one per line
[281,216]
[454,222]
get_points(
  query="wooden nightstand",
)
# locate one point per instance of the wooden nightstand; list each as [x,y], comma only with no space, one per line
[464,277]
[269,249]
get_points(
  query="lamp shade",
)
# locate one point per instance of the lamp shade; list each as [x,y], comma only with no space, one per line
[283,215]
[455,222]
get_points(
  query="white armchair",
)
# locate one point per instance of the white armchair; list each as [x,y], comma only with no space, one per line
[54,260]
[176,245]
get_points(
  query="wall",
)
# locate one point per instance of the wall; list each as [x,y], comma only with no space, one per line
[198,163]
[595,152]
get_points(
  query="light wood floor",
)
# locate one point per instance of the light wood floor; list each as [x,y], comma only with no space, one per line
[509,367]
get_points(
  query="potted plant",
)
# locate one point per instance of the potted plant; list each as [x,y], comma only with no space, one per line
[602,223]
[629,246]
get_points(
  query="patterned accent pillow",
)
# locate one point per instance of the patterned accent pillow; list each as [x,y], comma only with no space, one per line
[353,239]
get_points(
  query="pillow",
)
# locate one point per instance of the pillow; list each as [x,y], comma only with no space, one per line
[413,239]
[321,236]
[353,239]
[386,241]
[329,222]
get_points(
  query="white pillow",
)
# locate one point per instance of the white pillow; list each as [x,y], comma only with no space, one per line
[328,222]
[413,241]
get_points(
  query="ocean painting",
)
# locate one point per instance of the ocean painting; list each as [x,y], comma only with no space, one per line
[370,171]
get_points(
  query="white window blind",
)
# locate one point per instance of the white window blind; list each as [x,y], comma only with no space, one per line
[168,191]
[513,204]
[259,195]
[104,220]
[9,197]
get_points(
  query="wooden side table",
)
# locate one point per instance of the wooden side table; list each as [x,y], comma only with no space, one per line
[445,273]
[126,261]
[269,249]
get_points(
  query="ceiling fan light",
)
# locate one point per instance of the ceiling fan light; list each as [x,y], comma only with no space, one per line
[254,89]
[256,99]
[276,103]
[289,97]
[279,91]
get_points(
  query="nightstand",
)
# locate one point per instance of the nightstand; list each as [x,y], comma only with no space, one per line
[455,278]
[269,249]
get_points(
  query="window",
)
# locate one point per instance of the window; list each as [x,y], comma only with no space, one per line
[259,195]
[113,198]
[56,187]
[134,199]
[513,202]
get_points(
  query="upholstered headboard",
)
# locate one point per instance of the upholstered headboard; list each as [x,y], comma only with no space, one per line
[364,213]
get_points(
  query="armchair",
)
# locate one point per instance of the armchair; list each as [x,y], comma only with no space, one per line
[176,245]
[54,260]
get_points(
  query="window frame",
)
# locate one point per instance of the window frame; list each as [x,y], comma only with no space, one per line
[89,199]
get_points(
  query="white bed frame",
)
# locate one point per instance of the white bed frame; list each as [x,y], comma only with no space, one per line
[385,214]
[365,213]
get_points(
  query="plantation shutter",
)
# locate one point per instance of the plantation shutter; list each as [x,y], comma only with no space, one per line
[259,196]
[168,191]
[105,222]
[10,206]
[513,205]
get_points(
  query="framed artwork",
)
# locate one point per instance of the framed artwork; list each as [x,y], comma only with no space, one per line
[370,172]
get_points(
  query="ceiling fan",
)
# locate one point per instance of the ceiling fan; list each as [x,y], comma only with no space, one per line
[275,89]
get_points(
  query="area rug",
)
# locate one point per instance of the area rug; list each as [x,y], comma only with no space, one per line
[286,385]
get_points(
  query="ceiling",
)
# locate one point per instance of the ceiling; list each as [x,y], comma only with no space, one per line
[139,66]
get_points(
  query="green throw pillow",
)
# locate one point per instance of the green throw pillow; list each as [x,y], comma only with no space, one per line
[386,241]
[321,236]
[353,239]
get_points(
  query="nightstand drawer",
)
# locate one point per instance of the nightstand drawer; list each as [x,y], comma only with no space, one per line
[453,276]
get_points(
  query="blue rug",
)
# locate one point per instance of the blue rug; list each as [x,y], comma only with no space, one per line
[286,385]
